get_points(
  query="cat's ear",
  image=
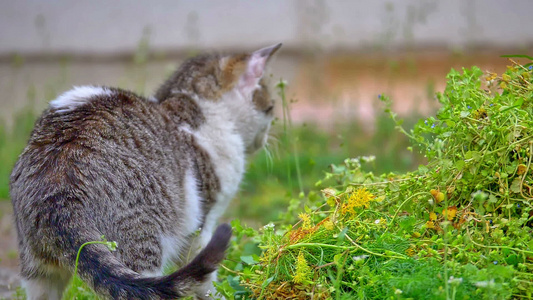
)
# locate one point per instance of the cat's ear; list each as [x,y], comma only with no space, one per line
[255,68]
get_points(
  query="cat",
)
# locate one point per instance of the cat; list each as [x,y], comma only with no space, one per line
[153,174]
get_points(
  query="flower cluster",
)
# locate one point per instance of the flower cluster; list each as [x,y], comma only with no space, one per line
[301,275]
[306,219]
[360,198]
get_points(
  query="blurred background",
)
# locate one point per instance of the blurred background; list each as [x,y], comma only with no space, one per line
[338,57]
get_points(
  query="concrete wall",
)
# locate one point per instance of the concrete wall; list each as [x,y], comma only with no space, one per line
[99,26]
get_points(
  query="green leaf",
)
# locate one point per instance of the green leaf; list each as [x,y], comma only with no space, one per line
[236,224]
[249,260]
[422,169]
[267,282]
[394,186]
[480,210]
[518,56]
[505,108]
[518,102]
[342,235]
[512,259]
[474,155]
[407,223]
[515,185]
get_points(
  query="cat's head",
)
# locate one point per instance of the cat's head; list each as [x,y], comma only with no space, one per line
[234,84]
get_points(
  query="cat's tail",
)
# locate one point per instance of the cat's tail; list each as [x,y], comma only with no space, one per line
[110,277]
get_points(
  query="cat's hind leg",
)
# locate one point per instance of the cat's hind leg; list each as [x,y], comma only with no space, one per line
[46,288]
[207,289]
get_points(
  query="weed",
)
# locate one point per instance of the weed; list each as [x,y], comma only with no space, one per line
[78,289]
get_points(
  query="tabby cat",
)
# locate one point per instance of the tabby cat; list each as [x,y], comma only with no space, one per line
[153,174]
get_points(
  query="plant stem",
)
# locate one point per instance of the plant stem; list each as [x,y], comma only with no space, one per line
[399,207]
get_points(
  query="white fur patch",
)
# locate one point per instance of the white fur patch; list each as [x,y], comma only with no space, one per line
[223,141]
[173,244]
[186,129]
[193,209]
[169,243]
[148,274]
[77,96]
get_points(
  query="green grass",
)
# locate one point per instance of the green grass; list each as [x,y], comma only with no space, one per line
[12,141]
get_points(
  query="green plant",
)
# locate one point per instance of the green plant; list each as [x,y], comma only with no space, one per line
[459,227]
[12,141]
[78,289]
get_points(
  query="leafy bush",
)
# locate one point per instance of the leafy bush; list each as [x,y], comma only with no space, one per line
[459,227]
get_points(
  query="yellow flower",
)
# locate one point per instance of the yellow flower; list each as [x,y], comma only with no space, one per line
[506,77]
[305,217]
[430,224]
[360,198]
[432,218]
[329,225]
[411,251]
[302,270]
[491,76]
[503,85]
[306,220]
[450,212]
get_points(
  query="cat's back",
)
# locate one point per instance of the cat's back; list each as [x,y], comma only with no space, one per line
[92,113]
[86,137]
